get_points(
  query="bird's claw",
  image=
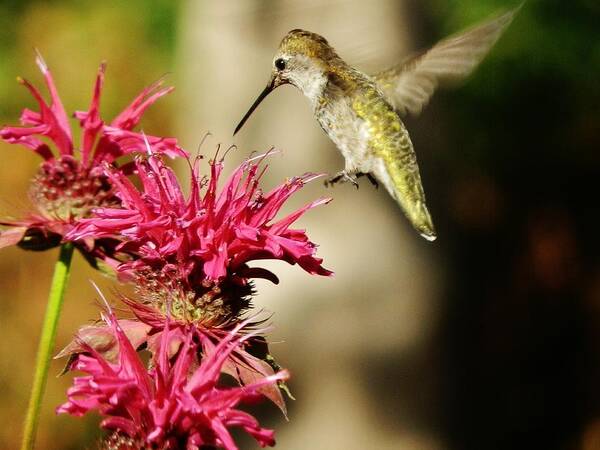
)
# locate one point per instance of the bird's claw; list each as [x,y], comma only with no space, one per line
[370,177]
[341,177]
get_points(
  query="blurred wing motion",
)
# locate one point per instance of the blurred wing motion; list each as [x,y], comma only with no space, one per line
[409,85]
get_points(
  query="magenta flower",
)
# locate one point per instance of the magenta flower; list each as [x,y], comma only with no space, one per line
[195,252]
[246,363]
[175,404]
[67,188]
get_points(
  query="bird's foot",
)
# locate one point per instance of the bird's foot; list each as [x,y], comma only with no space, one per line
[341,177]
[370,177]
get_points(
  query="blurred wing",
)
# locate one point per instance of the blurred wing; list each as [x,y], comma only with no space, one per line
[409,85]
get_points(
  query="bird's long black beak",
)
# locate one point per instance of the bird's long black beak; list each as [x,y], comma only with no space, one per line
[272,85]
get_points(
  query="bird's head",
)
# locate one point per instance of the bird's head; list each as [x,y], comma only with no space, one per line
[303,59]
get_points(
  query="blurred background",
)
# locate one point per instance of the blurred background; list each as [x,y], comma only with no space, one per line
[488,338]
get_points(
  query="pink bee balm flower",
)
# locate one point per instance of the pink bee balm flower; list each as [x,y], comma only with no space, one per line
[67,188]
[246,364]
[175,404]
[195,251]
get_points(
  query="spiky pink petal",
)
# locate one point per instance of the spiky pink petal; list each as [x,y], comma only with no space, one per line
[90,120]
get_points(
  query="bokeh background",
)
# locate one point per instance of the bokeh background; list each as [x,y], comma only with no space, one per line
[488,338]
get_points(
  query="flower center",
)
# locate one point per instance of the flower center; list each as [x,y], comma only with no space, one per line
[210,304]
[65,190]
[117,441]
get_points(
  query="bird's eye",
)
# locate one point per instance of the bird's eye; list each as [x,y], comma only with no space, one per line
[280,63]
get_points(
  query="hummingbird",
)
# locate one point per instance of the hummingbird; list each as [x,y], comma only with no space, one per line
[362,114]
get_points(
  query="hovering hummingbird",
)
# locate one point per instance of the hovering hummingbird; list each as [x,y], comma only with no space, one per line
[361,113]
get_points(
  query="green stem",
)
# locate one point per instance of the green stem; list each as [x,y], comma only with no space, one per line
[46,345]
